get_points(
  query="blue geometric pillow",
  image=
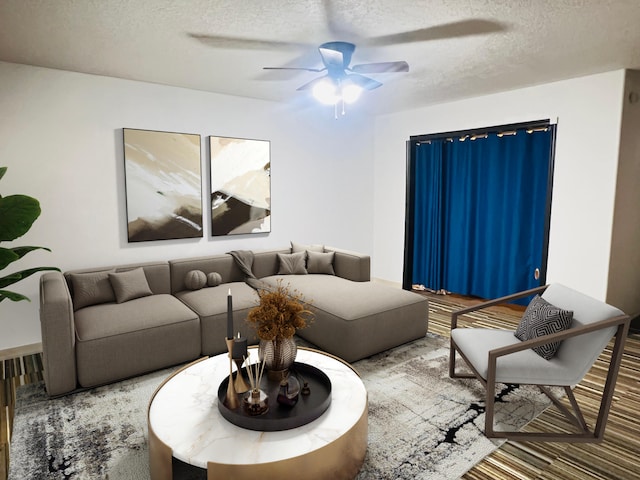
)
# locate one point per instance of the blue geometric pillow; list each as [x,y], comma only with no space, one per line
[541,318]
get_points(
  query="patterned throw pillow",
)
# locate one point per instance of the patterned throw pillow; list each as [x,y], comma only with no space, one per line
[542,318]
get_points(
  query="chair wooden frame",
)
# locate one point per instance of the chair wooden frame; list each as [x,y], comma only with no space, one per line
[585,435]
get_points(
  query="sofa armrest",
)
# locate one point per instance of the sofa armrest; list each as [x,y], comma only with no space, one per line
[351,265]
[58,334]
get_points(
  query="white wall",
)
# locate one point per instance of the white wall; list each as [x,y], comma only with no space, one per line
[61,139]
[588,111]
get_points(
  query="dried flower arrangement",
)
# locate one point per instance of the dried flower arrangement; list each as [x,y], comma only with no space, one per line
[280,313]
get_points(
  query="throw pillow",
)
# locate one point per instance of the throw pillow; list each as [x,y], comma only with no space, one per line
[541,318]
[130,285]
[214,279]
[320,262]
[292,263]
[91,289]
[195,280]
[299,247]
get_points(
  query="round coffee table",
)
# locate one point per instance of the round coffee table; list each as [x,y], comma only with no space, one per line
[185,423]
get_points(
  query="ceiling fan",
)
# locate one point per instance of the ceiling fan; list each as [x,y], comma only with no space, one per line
[343,82]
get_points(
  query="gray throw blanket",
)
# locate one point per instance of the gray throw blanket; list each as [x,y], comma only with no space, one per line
[244,260]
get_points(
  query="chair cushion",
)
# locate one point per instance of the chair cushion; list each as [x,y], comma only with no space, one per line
[541,318]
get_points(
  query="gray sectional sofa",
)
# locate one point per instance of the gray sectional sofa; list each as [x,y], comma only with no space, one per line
[106,324]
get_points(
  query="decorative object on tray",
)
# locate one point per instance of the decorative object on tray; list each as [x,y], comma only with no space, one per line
[276,318]
[255,401]
[289,391]
[231,399]
[239,354]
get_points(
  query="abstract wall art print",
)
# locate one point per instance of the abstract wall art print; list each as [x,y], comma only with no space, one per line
[240,186]
[163,185]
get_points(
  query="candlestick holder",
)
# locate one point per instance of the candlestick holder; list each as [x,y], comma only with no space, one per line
[239,384]
[231,400]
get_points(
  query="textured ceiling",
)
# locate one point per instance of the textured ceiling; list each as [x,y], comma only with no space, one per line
[455,49]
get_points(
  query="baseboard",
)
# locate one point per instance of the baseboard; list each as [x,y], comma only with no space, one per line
[17,352]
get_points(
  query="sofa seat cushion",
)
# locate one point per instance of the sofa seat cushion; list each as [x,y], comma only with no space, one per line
[345,298]
[106,320]
[116,341]
[354,320]
[210,304]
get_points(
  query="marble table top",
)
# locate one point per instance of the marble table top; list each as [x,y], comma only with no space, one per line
[184,415]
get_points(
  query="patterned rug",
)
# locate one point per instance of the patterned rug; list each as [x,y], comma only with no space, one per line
[422,424]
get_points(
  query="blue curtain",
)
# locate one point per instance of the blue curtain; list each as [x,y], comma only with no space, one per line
[479,213]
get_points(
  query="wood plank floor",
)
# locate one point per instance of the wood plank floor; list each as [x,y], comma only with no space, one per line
[616,458]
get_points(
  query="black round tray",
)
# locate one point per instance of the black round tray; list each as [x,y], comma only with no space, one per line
[279,417]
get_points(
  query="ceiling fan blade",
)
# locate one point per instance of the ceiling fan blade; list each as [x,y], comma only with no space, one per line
[462,28]
[381,67]
[312,83]
[295,68]
[363,82]
[333,59]
[243,43]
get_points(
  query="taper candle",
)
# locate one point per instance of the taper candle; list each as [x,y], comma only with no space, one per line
[229,315]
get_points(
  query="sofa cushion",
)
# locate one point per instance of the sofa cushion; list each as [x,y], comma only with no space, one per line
[91,289]
[120,340]
[130,285]
[320,262]
[211,306]
[292,263]
[539,319]
[99,321]
[195,279]
[354,320]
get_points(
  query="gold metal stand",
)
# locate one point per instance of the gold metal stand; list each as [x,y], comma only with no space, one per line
[232,397]
[239,384]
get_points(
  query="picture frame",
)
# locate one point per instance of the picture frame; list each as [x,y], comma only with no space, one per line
[163,185]
[240,171]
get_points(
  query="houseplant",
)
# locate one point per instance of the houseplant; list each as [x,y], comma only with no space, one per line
[279,314]
[17,214]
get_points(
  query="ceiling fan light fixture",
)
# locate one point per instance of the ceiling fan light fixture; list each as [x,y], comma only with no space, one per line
[351,92]
[326,92]
[330,92]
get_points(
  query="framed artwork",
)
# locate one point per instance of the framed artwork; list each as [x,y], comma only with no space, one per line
[163,185]
[240,186]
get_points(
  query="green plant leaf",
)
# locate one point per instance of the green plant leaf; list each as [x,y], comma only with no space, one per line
[13,296]
[3,170]
[7,256]
[17,214]
[17,276]
[10,255]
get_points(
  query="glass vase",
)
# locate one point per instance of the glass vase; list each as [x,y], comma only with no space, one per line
[278,355]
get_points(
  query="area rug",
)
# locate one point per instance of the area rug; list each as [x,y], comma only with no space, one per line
[422,424]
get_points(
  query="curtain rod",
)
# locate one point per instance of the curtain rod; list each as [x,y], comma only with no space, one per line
[479,132]
[485,135]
